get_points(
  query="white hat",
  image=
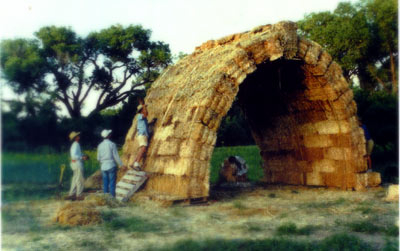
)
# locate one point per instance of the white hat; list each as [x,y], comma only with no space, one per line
[105,133]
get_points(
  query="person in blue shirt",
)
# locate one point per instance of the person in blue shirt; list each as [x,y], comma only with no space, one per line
[107,155]
[142,133]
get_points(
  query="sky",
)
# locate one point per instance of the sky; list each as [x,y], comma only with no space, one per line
[183,24]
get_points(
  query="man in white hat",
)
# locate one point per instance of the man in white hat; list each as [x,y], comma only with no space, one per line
[142,132]
[77,158]
[108,156]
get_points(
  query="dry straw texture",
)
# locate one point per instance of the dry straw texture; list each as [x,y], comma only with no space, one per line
[309,136]
[77,214]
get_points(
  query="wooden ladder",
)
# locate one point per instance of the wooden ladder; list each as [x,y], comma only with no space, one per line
[129,184]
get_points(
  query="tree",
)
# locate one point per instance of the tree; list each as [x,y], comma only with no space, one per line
[356,36]
[116,62]
[383,16]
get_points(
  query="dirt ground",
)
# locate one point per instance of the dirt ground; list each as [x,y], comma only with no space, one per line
[252,214]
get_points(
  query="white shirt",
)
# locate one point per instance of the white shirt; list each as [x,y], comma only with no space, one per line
[76,153]
[107,154]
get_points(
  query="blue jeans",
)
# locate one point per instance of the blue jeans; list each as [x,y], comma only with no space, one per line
[109,180]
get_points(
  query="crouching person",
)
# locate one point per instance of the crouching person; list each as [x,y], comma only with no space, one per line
[77,158]
[108,156]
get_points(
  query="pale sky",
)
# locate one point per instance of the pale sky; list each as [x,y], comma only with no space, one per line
[183,24]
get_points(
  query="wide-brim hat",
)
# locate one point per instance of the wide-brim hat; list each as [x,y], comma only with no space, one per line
[105,133]
[73,134]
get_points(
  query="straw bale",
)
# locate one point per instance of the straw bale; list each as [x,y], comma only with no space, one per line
[312,82]
[371,179]
[341,140]
[323,93]
[170,147]
[314,179]
[336,179]
[310,116]
[206,152]
[318,141]
[322,65]
[313,53]
[78,214]
[303,45]
[197,131]
[327,165]
[292,178]
[174,166]
[392,193]
[169,184]
[338,153]
[189,148]
[334,72]
[95,181]
[327,127]
[163,133]
[304,166]
[374,179]
[306,129]
[311,153]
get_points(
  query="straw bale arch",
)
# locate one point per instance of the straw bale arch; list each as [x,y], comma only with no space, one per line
[311,137]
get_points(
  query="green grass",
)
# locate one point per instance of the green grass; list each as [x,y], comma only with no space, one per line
[250,153]
[133,224]
[336,242]
[23,171]
[291,229]
[41,168]
[364,226]
[19,220]
[324,204]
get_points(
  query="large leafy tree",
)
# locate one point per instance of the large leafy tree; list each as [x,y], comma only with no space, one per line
[362,38]
[113,63]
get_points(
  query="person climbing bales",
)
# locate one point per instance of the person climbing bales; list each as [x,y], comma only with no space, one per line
[143,133]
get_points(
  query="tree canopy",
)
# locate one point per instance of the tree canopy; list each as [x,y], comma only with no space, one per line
[362,38]
[116,62]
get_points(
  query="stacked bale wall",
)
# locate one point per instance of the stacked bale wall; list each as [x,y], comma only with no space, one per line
[316,141]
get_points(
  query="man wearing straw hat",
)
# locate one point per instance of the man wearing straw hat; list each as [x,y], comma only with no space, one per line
[77,158]
[108,156]
[142,132]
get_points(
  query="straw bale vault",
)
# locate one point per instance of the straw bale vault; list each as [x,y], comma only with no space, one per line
[297,102]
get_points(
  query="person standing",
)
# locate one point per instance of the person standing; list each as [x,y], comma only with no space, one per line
[77,158]
[142,132]
[107,155]
[369,144]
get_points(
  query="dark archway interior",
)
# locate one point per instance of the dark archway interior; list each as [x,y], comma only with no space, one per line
[266,93]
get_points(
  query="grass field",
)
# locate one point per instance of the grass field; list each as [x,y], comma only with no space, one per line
[259,218]
[26,168]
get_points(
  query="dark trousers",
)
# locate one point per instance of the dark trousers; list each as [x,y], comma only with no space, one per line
[109,180]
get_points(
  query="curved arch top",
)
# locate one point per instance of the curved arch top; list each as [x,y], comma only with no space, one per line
[312,139]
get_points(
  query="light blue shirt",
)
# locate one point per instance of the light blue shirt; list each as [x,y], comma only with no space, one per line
[142,125]
[76,153]
[108,156]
